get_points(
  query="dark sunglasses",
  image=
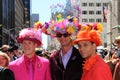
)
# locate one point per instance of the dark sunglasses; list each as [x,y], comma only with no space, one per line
[64,35]
[5,51]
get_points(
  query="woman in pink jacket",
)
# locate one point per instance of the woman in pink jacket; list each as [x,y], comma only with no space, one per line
[30,66]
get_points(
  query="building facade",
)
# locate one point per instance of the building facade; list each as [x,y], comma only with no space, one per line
[34,18]
[91,11]
[113,24]
[11,20]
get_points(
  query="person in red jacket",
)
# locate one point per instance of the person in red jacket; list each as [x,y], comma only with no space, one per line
[94,67]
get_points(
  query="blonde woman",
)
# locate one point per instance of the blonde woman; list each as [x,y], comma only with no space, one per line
[5,73]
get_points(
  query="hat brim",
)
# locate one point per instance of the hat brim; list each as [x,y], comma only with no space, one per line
[79,40]
[20,40]
[86,39]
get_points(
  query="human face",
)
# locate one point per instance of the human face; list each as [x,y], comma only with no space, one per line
[86,48]
[3,61]
[29,48]
[64,39]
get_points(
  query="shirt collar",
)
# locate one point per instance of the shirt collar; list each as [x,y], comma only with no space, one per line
[68,53]
[27,59]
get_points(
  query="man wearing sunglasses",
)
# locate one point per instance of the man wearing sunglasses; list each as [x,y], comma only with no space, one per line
[66,63]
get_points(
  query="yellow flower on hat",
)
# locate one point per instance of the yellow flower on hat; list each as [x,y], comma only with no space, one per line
[99,27]
[70,30]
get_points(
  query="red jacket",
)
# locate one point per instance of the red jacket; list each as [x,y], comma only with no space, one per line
[99,71]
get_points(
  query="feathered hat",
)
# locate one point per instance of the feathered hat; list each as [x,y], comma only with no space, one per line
[90,32]
[30,34]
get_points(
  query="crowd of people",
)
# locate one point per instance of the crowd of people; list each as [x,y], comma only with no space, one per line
[77,59]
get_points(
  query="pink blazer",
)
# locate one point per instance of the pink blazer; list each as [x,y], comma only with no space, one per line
[42,69]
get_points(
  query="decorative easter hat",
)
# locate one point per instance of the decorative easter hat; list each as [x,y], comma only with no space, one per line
[90,32]
[69,25]
[30,34]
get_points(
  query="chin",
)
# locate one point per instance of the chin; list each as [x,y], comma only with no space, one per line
[84,56]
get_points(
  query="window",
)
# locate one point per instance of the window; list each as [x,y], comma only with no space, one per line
[91,20]
[98,4]
[84,4]
[91,12]
[105,4]
[84,20]
[84,12]
[98,20]
[98,12]
[91,4]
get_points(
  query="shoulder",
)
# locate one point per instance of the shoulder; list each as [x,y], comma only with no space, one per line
[101,67]
[75,51]
[16,62]
[1,69]
[8,71]
[55,54]
[101,71]
[42,59]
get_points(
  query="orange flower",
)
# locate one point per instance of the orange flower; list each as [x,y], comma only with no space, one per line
[89,63]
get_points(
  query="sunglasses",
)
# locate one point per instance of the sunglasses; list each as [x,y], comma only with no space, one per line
[4,51]
[64,35]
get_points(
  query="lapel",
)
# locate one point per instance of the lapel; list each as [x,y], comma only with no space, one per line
[23,68]
[72,58]
[38,68]
[59,60]
[70,61]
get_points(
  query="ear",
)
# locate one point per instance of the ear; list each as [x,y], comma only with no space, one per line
[94,45]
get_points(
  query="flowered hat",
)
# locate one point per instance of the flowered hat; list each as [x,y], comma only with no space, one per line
[62,25]
[117,39]
[30,34]
[89,33]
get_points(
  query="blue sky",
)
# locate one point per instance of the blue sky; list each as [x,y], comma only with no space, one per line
[42,7]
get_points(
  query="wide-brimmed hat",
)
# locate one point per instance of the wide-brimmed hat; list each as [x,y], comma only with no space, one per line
[117,39]
[30,34]
[91,35]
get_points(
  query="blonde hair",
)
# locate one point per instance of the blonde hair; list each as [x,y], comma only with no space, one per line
[6,57]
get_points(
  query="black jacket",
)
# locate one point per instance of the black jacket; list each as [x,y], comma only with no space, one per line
[73,69]
[6,74]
